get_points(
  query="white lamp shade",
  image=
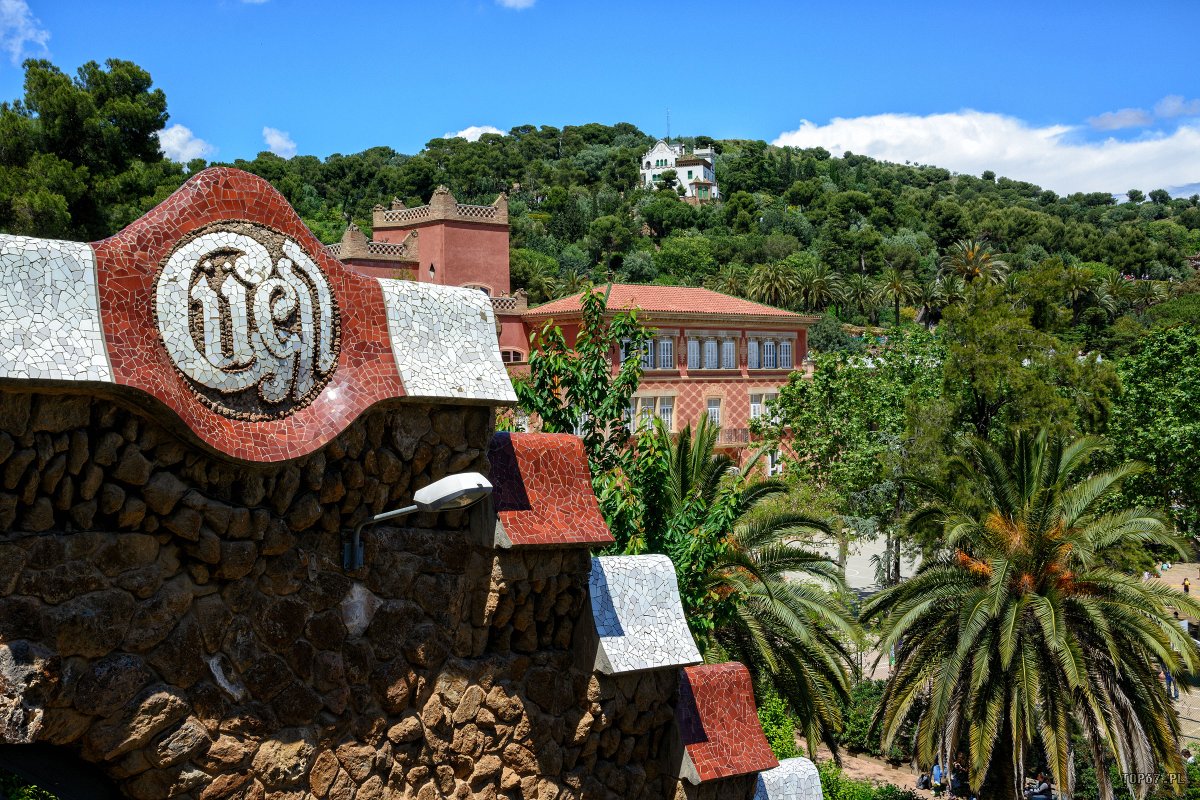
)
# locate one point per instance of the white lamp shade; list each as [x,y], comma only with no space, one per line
[453,491]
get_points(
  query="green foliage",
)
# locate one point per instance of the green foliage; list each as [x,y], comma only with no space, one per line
[777,723]
[836,786]
[1016,630]
[79,156]
[571,387]
[828,336]
[1157,421]
[14,787]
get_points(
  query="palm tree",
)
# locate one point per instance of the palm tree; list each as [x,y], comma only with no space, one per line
[750,592]
[899,285]
[819,286]
[1017,630]
[570,283]
[1117,288]
[774,284]
[973,258]
[731,279]
[928,296]
[1146,293]
[862,294]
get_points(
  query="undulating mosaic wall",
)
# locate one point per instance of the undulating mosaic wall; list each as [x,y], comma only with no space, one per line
[193,416]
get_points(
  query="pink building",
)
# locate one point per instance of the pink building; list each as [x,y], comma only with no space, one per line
[712,354]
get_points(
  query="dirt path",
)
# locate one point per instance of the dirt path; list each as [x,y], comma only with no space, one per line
[866,768]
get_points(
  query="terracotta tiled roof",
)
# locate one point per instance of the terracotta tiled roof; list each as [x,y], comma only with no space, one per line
[673,300]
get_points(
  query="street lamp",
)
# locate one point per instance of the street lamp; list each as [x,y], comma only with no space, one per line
[450,493]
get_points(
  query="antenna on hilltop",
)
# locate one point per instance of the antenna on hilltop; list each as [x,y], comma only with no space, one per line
[668,126]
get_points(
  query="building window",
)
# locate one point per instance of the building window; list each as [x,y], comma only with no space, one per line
[645,412]
[693,354]
[666,411]
[512,356]
[768,354]
[625,350]
[689,174]
[648,355]
[774,463]
[785,354]
[666,354]
[714,410]
[729,354]
[760,404]
[752,353]
[710,353]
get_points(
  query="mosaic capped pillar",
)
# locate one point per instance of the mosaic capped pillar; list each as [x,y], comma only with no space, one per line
[718,726]
[543,492]
[222,306]
[638,615]
[793,779]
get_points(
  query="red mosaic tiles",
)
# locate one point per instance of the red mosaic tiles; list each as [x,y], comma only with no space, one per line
[718,722]
[543,490]
[127,265]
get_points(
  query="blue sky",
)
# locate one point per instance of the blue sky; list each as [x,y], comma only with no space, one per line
[1074,95]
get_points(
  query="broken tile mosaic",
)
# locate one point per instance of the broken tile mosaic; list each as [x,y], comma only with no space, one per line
[638,615]
[793,779]
[718,723]
[49,312]
[543,491]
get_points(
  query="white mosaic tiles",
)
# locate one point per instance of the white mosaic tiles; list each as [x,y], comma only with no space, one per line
[444,342]
[49,312]
[638,615]
[793,779]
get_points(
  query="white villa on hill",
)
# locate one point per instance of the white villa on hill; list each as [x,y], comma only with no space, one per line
[694,170]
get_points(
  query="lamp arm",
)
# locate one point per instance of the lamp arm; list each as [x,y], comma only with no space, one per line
[352,557]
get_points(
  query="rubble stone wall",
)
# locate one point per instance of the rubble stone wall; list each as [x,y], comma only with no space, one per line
[184,621]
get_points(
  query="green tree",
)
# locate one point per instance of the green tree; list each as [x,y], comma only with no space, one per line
[1157,420]
[775,284]
[574,388]
[79,157]
[898,284]
[861,294]
[819,285]
[686,258]
[1001,371]
[1016,631]
[749,592]
[974,259]
[534,272]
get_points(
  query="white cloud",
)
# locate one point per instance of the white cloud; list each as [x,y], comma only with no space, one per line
[473,132]
[1123,118]
[279,142]
[518,5]
[1052,156]
[18,28]
[1174,105]
[178,143]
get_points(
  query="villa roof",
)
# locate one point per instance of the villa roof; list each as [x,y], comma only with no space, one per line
[674,300]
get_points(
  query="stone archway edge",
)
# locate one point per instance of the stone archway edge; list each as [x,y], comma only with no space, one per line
[75,314]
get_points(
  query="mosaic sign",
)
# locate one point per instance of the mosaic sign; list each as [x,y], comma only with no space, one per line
[222,306]
[249,319]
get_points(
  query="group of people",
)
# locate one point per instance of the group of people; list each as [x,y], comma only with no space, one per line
[954,780]
[941,780]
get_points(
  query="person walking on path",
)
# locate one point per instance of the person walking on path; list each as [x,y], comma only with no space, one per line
[1172,687]
[1187,586]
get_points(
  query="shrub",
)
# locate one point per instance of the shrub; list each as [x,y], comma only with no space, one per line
[777,723]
